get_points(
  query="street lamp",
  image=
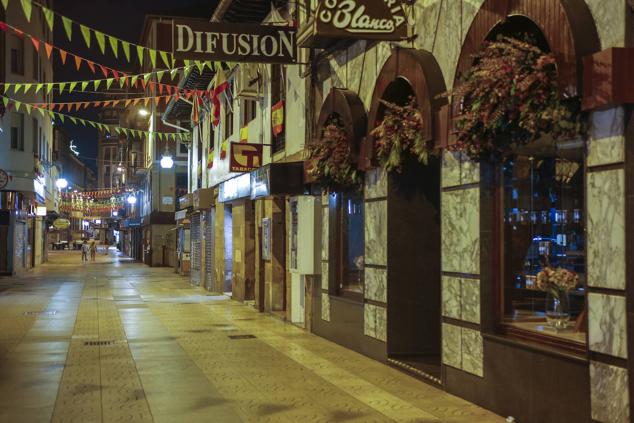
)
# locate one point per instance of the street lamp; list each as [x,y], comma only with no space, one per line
[131,199]
[61,183]
[143,113]
[166,161]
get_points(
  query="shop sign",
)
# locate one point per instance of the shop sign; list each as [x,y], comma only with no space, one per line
[266,238]
[180,215]
[203,198]
[245,157]
[194,39]
[40,211]
[235,188]
[260,185]
[61,224]
[4,179]
[185,201]
[384,20]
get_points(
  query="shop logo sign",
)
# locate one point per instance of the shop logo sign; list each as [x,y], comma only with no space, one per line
[245,157]
[371,19]
[194,39]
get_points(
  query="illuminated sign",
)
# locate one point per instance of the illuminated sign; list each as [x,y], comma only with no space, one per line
[194,39]
[61,224]
[40,211]
[245,157]
[235,188]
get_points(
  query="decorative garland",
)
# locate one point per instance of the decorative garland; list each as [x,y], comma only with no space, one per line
[399,135]
[330,161]
[511,96]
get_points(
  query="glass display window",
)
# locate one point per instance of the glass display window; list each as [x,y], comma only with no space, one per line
[350,244]
[543,239]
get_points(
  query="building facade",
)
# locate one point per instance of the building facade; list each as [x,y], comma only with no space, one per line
[28,191]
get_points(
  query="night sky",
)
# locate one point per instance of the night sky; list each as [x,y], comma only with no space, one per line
[121,18]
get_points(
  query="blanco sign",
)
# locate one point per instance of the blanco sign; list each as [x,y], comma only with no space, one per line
[373,19]
[199,40]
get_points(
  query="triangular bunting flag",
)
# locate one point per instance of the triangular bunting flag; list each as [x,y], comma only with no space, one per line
[77,62]
[165,59]
[173,73]
[91,65]
[136,101]
[126,49]
[152,87]
[49,88]
[157,100]
[5,4]
[16,88]
[27,87]
[104,70]
[200,65]
[38,87]
[5,101]
[28,108]
[109,82]
[115,74]
[36,44]
[139,52]
[127,102]
[122,81]
[72,87]
[73,119]
[49,50]
[84,85]
[3,27]
[114,45]
[146,77]
[17,105]
[152,58]
[159,75]
[85,31]
[49,17]
[135,79]
[68,27]
[146,101]
[101,41]
[27,7]
[62,85]
[96,84]
[62,56]
[160,89]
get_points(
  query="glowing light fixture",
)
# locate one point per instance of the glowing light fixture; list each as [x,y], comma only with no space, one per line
[143,113]
[61,183]
[167,162]
[131,199]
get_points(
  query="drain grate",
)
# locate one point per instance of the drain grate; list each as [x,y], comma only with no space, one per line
[40,313]
[236,337]
[98,343]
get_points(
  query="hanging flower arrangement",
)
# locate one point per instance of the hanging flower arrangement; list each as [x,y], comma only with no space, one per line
[400,135]
[331,159]
[511,96]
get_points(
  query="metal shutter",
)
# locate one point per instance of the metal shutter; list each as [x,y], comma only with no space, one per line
[195,249]
[209,250]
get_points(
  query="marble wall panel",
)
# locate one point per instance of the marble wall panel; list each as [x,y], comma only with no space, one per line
[609,17]
[457,169]
[470,300]
[375,183]
[451,345]
[451,297]
[609,393]
[461,231]
[325,307]
[606,228]
[325,239]
[606,324]
[324,276]
[607,143]
[376,284]
[472,356]
[375,321]
[376,233]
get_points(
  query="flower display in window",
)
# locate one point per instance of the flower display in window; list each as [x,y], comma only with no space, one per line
[400,134]
[559,279]
[511,96]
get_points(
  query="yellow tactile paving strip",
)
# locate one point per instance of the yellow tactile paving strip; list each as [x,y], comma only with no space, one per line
[130,343]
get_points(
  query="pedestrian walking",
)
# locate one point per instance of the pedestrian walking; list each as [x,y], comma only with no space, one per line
[93,250]
[84,251]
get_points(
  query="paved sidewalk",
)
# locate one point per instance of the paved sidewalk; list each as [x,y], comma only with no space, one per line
[118,341]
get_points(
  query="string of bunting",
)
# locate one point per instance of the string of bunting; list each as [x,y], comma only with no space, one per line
[103,193]
[172,136]
[79,105]
[88,34]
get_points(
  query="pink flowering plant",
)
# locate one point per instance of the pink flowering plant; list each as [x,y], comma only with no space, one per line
[557,281]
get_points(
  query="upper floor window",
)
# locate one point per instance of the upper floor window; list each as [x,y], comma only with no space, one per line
[17,55]
[544,241]
[228,108]
[278,93]
[350,243]
[17,131]
[249,110]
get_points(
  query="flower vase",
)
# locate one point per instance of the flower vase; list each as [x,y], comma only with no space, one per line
[557,308]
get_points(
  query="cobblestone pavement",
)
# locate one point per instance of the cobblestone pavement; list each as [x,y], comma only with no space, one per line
[118,341]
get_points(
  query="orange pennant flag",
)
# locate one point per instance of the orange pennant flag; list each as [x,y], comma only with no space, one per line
[86,104]
[91,65]
[36,44]
[146,101]
[96,103]
[152,87]
[127,102]
[77,62]
[114,103]
[104,70]
[49,50]
[157,100]
[62,55]
[161,89]
[136,101]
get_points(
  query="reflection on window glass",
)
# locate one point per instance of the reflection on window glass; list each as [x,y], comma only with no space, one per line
[352,242]
[544,259]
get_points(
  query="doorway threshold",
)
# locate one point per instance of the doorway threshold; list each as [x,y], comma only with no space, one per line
[419,367]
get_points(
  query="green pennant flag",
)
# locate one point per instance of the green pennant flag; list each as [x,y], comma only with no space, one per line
[16,88]
[51,114]
[109,83]
[5,4]
[85,31]
[6,87]
[42,112]
[27,7]
[187,63]
[49,87]
[166,59]
[28,108]
[68,27]
[201,66]
[27,87]
[49,17]
[126,49]
[101,40]
[139,52]
[84,85]
[5,101]
[62,85]
[60,116]
[146,77]
[73,119]
[122,81]
[17,105]
[92,123]
[72,86]
[96,84]
[153,58]
[134,79]
[209,64]
[160,75]
[114,45]
[173,73]
[38,87]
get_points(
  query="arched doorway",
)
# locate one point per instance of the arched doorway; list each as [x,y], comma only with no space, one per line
[413,209]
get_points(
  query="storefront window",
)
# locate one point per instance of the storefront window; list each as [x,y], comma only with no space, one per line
[351,244]
[544,242]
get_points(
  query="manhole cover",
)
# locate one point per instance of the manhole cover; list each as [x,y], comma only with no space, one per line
[40,313]
[236,337]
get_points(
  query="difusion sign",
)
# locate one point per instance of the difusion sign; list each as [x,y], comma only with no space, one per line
[360,19]
[198,40]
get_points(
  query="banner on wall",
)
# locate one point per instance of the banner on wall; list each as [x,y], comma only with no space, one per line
[245,157]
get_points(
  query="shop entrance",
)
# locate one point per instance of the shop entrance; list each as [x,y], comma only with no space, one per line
[414,297]
[228,235]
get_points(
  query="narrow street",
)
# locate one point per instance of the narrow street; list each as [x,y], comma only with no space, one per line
[119,341]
